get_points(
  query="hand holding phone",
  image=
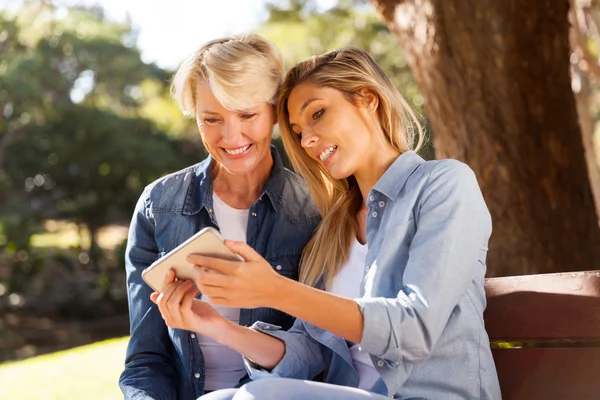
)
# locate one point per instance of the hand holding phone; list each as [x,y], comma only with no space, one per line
[208,242]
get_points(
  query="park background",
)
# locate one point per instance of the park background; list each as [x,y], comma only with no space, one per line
[509,87]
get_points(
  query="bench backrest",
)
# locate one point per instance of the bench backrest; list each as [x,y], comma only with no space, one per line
[545,334]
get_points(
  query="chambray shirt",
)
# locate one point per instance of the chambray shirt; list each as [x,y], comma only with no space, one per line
[422,292]
[164,363]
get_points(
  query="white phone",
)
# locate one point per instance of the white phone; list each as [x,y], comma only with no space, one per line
[208,242]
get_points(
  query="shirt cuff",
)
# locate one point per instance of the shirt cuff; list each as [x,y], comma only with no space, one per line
[376,331]
[289,365]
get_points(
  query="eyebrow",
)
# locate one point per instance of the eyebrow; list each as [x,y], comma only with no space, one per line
[306,104]
[209,112]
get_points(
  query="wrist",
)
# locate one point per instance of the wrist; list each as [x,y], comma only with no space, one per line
[224,331]
[277,292]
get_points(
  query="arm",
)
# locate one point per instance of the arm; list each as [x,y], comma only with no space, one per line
[290,354]
[453,226]
[149,366]
[452,230]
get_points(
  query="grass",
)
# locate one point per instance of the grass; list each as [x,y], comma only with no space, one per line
[89,372]
[65,234]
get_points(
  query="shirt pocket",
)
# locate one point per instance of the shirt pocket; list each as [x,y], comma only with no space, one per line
[286,264]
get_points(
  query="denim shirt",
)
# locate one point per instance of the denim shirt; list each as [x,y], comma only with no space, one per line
[164,363]
[422,291]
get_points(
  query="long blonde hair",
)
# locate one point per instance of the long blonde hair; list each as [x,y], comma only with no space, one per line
[348,70]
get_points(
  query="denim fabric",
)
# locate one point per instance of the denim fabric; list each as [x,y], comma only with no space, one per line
[164,363]
[422,292]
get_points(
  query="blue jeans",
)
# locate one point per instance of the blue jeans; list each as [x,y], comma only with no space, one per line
[291,389]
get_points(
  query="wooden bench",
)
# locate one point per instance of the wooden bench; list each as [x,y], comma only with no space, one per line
[545,335]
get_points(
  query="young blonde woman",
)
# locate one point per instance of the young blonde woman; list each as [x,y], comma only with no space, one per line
[230,87]
[400,251]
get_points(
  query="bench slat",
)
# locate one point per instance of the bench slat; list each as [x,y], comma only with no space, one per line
[549,373]
[545,306]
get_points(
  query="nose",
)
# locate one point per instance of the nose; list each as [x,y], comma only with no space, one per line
[309,139]
[231,130]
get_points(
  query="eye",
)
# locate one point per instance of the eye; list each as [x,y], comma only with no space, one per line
[248,115]
[318,114]
[210,121]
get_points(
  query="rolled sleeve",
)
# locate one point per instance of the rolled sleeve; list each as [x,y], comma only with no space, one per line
[304,357]
[453,226]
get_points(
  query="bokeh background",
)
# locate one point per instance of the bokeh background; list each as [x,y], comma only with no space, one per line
[86,122]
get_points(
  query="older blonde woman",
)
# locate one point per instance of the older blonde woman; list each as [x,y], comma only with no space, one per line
[230,87]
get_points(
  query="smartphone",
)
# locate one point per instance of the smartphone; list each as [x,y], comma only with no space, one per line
[208,242]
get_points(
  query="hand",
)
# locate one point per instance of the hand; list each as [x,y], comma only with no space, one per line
[249,284]
[181,310]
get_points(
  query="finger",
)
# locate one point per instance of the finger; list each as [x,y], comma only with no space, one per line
[188,300]
[221,301]
[154,297]
[214,291]
[163,299]
[206,277]
[244,250]
[215,264]
[169,278]
[176,299]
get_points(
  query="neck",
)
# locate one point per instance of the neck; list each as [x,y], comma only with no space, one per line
[375,165]
[241,190]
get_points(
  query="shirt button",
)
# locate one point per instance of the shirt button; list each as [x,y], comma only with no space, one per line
[374,215]
[381,204]
[380,363]
[278,268]
[253,214]
[266,327]
[371,198]
[193,336]
[197,375]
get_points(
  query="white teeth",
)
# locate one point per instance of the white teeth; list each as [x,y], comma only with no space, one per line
[327,152]
[237,151]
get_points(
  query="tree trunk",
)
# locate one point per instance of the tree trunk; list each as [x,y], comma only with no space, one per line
[495,79]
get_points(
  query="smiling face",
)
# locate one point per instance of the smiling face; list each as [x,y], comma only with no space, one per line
[238,140]
[335,132]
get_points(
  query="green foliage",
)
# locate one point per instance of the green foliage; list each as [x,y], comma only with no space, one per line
[300,30]
[77,140]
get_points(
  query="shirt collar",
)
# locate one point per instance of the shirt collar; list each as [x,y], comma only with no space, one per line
[394,178]
[200,189]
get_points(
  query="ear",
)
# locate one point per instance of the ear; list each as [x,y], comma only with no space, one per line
[370,99]
[274,114]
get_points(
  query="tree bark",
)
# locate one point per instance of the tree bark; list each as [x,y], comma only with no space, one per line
[495,79]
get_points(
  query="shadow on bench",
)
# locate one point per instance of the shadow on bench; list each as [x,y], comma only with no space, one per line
[545,335]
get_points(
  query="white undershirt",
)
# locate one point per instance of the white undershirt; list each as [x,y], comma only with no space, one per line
[224,366]
[347,283]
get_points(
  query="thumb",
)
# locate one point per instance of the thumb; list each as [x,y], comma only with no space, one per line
[241,248]
[154,297]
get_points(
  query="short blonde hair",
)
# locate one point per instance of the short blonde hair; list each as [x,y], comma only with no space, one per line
[242,71]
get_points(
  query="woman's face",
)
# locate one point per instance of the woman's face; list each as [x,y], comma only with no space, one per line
[238,140]
[333,131]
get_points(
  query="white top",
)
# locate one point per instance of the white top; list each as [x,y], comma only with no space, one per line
[347,283]
[224,366]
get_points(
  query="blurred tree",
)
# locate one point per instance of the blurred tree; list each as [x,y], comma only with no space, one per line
[86,123]
[495,78]
[300,30]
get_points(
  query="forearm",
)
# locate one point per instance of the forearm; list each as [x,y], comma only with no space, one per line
[264,350]
[338,315]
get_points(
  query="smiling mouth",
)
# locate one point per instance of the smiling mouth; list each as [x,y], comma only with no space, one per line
[326,153]
[238,151]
